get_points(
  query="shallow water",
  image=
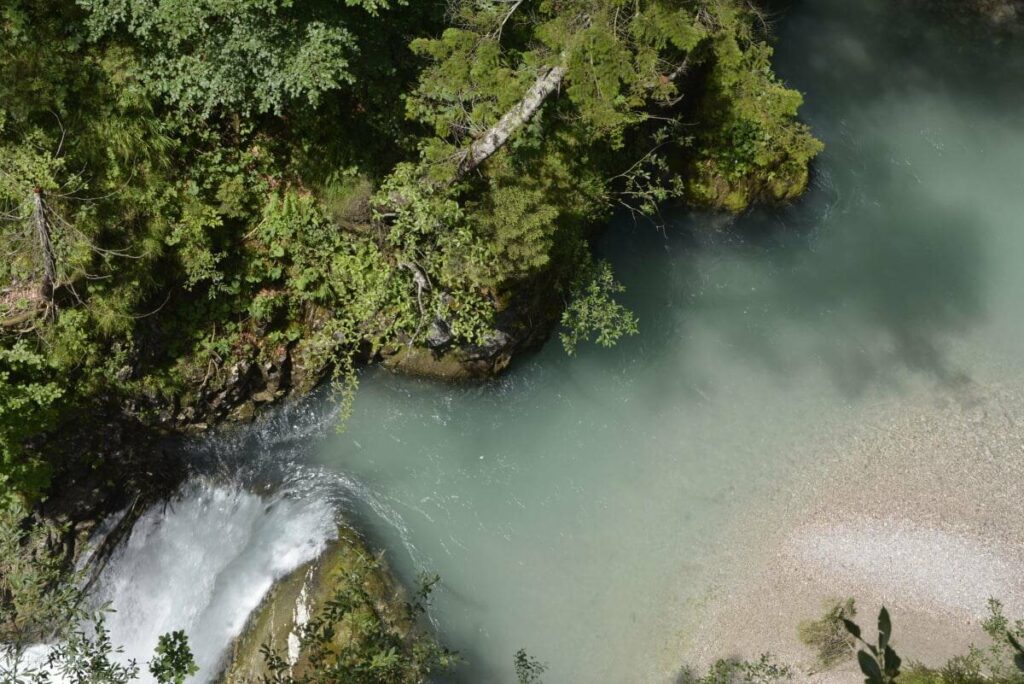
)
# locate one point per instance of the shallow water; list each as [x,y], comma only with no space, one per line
[577,507]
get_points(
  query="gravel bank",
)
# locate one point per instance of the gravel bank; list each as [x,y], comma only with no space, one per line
[919,508]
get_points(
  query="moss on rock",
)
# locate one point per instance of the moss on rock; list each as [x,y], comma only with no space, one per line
[452,365]
[346,590]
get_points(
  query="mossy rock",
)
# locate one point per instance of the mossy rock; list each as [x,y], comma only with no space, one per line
[301,595]
[714,190]
[451,365]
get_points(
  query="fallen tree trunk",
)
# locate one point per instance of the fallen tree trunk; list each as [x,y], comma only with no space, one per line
[490,142]
[19,319]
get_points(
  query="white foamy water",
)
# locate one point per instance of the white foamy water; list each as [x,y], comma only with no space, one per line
[203,563]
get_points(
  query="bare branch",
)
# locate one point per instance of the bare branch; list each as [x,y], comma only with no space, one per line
[508,15]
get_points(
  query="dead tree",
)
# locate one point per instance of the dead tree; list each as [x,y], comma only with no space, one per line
[44,234]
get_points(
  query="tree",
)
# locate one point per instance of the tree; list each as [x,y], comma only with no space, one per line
[244,57]
[29,396]
[534,106]
[34,54]
[192,189]
[42,245]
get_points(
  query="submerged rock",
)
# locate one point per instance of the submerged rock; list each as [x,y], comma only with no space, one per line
[522,324]
[428,363]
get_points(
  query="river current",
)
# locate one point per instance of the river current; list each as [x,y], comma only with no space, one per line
[587,508]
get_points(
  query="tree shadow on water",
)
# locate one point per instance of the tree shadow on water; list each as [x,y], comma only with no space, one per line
[897,279]
[866,288]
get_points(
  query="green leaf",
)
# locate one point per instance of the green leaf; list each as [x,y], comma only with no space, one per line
[869,666]
[892,662]
[884,628]
[1018,658]
[1013,642]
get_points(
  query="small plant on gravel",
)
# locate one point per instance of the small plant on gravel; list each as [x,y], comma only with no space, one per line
[528,668]
[765,670]
[827,635]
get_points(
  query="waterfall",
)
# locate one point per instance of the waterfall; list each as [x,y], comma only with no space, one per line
[203,563]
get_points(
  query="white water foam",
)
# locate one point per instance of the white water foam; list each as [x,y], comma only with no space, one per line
[203,563]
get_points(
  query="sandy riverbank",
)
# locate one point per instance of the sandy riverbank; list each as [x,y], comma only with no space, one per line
[920,507]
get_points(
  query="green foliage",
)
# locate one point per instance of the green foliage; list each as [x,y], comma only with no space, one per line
[36,594]
[958,670]
[762,671]
[828,635]
[751,146]
[193,237]
[248,56]
[438,254]
[878,661]
[353,640]
[532,203]
[29,396]
[87,655]
[173,662]
[1004,659]
[529,670]
[1001,662]
[593,312]
[517,225]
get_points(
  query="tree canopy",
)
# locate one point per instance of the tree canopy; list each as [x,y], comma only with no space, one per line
[192,190]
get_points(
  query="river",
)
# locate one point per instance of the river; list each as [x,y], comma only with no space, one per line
[595,509]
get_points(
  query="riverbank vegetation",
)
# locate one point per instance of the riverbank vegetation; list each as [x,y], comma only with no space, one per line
[205,207]
[836,637]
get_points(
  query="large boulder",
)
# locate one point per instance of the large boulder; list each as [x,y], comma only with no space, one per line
[346,569]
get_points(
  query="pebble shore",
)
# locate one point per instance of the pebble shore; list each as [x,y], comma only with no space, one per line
[919,508]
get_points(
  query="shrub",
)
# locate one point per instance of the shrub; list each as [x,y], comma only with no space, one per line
[827,635]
